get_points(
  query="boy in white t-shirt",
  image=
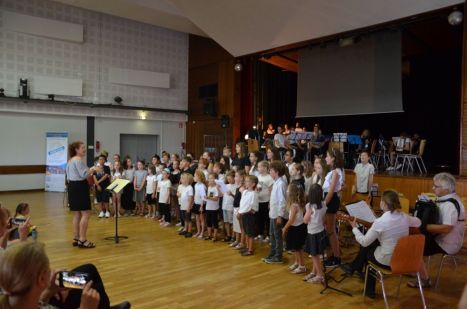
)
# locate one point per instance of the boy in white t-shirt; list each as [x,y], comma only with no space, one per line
[185,196]
[248,207]
[364,172]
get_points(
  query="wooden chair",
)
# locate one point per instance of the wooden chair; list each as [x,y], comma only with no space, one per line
[406,259]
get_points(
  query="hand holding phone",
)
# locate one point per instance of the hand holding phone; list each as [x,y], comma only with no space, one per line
[73,280]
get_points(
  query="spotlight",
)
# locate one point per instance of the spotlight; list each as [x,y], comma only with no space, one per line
[238,66]
[455,18]
[51,97]
[2,92]
[346,41]
[143,115]
[118,100]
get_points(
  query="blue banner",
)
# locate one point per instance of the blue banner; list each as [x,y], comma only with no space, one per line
[56,159]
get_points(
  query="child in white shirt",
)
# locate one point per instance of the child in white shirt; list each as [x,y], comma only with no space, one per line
[212,207]
[198,206]
[227,205]
[248,207]
[164,198]
[185,196]
[150,190]
[264,188]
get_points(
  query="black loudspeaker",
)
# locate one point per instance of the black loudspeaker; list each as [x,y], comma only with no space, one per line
[208,91]
[225,121]
[208,94]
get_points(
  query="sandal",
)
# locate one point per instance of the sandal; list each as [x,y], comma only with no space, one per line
[75,242]
[247,253]
[86,244]
[309,276]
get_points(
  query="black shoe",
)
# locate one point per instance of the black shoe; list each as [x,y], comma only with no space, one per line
[181,233]
[370,295]
[227,239]
[188,235]
[347,268]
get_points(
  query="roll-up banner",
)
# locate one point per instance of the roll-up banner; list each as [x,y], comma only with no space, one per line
[56,159]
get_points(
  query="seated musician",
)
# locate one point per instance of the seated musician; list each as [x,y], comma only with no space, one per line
[450,230]
[378,244]
[280,141]
[316,143]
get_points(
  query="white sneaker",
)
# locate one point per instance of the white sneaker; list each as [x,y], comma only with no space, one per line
[107,214]
[398,167]
[259,237]
[178,224]
[166,224]
[391,168]
[299,270]
[266,239]
[180,229]
[101,214]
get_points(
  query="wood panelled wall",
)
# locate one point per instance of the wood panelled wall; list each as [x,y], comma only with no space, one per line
[463,143]
[410,186]
[210,64]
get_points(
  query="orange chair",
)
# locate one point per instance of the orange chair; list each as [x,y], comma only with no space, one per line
[406,259]
[405,204]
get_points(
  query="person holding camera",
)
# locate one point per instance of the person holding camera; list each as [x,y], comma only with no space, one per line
[77,174]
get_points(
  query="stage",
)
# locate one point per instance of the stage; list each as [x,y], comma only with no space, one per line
[411,185]
[157,268]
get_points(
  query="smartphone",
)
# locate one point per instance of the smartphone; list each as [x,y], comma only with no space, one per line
[211,194]
[73,280]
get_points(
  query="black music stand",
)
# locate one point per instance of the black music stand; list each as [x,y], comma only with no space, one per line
[116,187]
[328,278]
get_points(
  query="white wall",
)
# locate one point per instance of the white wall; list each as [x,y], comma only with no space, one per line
[22,140]
[109,41]
[108,130]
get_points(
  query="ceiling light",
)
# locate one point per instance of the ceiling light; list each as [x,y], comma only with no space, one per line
[455,18]
[238,66]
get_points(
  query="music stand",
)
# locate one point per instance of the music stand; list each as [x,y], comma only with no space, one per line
[116,187]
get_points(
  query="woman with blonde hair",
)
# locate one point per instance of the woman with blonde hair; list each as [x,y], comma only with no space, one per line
[378,244]
[28,282]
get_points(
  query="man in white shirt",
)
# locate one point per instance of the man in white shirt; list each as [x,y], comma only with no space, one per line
[450,230]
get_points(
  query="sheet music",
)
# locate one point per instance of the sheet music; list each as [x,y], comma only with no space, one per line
[361,210]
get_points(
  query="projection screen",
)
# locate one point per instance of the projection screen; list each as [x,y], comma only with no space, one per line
[363,78]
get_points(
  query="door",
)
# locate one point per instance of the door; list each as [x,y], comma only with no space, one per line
[139,146]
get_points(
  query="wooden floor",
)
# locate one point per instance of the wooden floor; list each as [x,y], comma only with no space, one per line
[156,268]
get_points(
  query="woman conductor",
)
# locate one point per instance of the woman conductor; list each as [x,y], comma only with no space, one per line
[78,193]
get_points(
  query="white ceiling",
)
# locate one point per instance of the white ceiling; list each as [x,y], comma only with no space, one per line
[248,26]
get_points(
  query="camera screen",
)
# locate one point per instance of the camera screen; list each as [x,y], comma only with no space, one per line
[74,280]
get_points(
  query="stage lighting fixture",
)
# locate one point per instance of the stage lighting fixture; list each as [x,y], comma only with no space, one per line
[455,18]
[238,66]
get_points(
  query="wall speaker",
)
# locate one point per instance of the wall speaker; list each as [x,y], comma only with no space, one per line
[225,121]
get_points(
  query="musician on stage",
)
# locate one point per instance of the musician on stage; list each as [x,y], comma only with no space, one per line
[378,244]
